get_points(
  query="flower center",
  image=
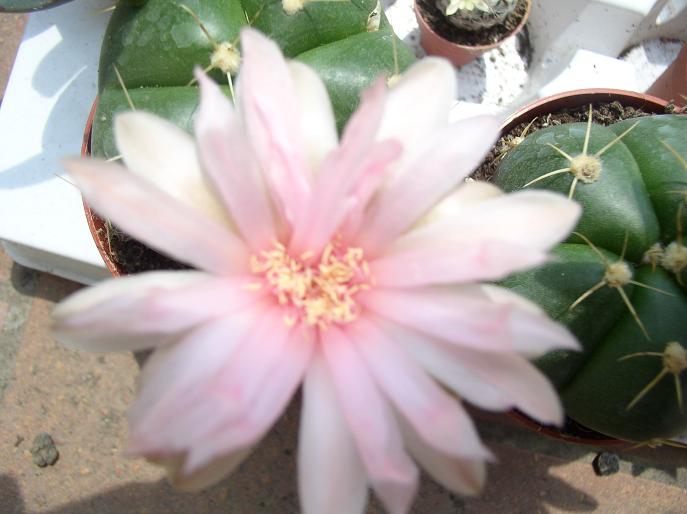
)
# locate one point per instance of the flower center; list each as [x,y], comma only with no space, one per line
[316,292]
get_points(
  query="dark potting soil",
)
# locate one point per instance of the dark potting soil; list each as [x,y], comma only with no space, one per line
[132,256]
[436,19]
[605,113]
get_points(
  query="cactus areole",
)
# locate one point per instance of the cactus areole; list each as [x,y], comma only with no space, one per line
[620,282]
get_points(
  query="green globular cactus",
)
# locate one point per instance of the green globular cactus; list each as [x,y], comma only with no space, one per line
[151,48]
[619,282]
[476,15]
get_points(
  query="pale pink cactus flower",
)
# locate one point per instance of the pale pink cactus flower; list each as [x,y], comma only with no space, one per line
[352,266]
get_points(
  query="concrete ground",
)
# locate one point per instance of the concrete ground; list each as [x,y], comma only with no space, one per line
[81,400]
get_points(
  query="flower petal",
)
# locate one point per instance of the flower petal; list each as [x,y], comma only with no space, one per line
[495,381]
[530,219]
[358,157]
[269,106]
[316,115]
[227,160]
[442,261]
[462,476]
[437,417]
[164,155]
[391,472]
[204,477]
[448,370]
[141,311]
[217,398]
[535,333]
[176,377]
[419,103]
[331,477]
[453,153]
[277,387]
[469,193]
[457,314]
[157,219]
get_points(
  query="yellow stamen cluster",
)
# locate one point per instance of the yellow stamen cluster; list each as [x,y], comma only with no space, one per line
[321,292]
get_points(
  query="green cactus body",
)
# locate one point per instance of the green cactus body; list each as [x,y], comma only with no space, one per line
[620,383]
[156,44]
[476,15]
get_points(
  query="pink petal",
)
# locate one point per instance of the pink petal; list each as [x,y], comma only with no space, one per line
[392,474]
[147,214]
[454,206]
[220,397]
[448,370]
[456,314]
[145,310]
[331,477]
[164,155]
[176,376]
[534,332]
[278,386]
[316,115]
[225,154]
[505,379]
[358,157]
[453,153]
[269,105]
[452,262]
[462,476]
[437,417]
[205,477]
[419,103]
[529,219]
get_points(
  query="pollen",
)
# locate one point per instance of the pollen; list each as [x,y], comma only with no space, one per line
[315,291]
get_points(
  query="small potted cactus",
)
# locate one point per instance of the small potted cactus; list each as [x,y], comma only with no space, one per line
[461,30]
[620,282]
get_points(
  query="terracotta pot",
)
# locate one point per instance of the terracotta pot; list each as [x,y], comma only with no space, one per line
[576,433]
[672,84]
[96,224]
[458,54]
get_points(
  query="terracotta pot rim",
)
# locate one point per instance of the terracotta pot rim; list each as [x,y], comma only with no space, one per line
[96,224]
[589,95]
[473,49]
[553,103]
